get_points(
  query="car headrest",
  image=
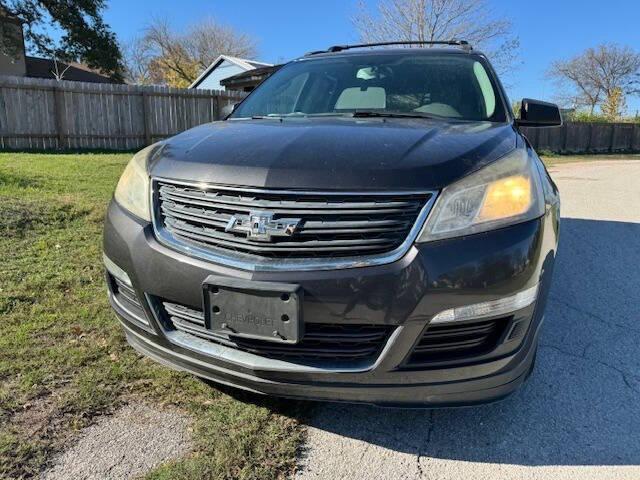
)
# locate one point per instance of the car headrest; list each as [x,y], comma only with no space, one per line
[362,97]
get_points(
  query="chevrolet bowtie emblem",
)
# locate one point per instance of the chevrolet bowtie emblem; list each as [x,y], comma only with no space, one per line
[261,226]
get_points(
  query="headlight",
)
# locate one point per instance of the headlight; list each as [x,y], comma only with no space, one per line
[132,191]
[505,192]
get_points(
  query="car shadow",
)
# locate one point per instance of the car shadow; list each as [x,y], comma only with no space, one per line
[581,405]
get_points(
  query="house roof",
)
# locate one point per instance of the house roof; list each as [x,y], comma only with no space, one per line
[250,76]
[42,68]
[241,62]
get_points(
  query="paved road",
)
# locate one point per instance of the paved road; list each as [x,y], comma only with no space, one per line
[578,416]
[126,445]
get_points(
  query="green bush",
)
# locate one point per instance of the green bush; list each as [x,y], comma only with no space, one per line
[586,117]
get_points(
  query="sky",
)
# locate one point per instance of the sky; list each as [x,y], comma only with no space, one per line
[285,29]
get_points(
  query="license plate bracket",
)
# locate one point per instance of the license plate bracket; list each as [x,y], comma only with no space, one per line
[268,311]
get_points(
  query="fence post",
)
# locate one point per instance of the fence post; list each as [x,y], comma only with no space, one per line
[146,118]
[218,106]
[58,101]
[612,138]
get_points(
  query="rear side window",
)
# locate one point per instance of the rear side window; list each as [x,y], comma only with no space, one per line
[454,86]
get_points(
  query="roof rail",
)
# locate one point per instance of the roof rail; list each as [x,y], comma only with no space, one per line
[339,48]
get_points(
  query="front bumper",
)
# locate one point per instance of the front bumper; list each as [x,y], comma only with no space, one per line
[405,295]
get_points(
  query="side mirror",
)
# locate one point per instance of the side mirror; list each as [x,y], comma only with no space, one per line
[534,113]
[228,110]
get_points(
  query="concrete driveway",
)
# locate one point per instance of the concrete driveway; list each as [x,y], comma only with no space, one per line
[578,417]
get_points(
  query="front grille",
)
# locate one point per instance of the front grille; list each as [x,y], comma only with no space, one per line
[321,341]
[331,225]
[457,341]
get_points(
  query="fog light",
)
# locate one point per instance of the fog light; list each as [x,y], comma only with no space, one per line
[115,270]
[489,309]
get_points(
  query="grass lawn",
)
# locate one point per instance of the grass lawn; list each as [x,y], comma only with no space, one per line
[63,358]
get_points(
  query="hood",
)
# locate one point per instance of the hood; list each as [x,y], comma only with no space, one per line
[332,154]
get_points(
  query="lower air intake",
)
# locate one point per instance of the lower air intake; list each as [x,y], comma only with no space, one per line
[321,341]
[443,343]
[127,298]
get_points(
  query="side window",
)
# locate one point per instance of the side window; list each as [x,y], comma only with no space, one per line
[486,88]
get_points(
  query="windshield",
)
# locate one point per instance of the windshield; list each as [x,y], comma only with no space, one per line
[448,86]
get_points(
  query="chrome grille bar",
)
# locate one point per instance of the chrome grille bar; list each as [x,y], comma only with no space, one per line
[335,229]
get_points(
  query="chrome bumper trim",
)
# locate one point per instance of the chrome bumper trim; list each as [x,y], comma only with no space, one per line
[257,362]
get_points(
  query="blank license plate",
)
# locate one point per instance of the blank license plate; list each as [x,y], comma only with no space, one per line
[250,309]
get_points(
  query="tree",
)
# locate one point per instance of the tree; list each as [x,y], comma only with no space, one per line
[428,20]
[59,70]
[163,56]
[578,86]
[206,40]
[606,73]
[85,37]
[137,57]
[614,105]
[516,107]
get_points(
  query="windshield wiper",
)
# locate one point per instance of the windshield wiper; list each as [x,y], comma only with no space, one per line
[282,116]
[374,114]
[301,115]
[356,114]
[269,117]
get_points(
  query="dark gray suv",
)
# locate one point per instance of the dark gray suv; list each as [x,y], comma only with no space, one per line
[368,225]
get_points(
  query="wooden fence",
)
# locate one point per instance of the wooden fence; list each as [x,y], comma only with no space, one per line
[586,138]
[41,114]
